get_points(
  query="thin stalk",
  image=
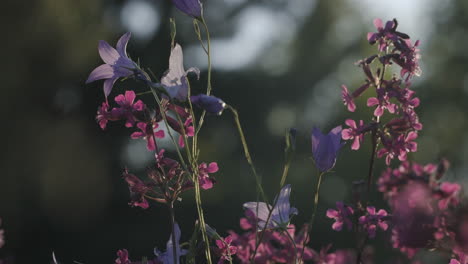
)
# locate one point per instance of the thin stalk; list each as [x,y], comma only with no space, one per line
[163,114]
[246,152]
[311,222]
[202,219]
[285,171]
[208,88]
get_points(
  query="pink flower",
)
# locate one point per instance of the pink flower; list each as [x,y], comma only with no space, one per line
[448,194]
[149,133]
[123,257]
[353,133]
[207,182]
[374,220]
[128,108]
[342,216]
[347,99]
[225,248]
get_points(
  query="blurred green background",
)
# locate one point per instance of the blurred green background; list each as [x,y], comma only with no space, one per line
[279,62]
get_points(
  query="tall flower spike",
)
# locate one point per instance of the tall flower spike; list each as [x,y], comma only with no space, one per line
[192,8]
[281,214]
[174,80]
[117,64]
[325,148]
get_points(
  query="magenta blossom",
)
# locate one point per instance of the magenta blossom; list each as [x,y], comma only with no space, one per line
[342,216]
[373,220]
[347,99]
[226,250]
[128,107]
[117,64]
[325,148]
[149,133]
[123,257]
[354,133]
[138,190]
[207,182]
[448,194]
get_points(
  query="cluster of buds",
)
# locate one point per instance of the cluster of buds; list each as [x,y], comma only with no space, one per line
[393,96]
[168,180]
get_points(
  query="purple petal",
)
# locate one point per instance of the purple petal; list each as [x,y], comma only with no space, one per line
[104,71]
[282,209]
[108,84]
[122,44]
[108,54]
[259,209]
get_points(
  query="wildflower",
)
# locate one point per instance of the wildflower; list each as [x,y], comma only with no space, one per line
[448,194]
[123,257]
[342,216]
[104,115]
[117,64]
[210,104]
[206,182]
[382,101]
[174,80]
[192,8]
[323,257]
[325,148]
[225,249]
[353,132]
[280,215]
[373,220]
[128,107]
[347,99]
[168,256]
[138,189]
[149,133]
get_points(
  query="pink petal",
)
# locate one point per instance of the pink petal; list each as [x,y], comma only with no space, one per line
[213,167]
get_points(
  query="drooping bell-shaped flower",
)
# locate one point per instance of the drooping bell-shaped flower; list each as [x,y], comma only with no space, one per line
[281,214]
[325,148]
[168,256]
[174,80]
[192,8]
[117,64]
[210,104]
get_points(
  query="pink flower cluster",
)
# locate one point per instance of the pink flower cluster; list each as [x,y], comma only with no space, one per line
[167,181]
[426,212]
[393,96]
[275,247]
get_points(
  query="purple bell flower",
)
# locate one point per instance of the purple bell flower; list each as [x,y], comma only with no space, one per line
[281,214]
[192,8]
[325,148]
[210,104]
[117,64]
[174,80]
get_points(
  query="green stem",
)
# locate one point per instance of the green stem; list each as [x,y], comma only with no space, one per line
[311,222]
[247,153]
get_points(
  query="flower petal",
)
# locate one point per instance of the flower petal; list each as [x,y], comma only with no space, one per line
[122,44]
[104,71]
[108,54]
